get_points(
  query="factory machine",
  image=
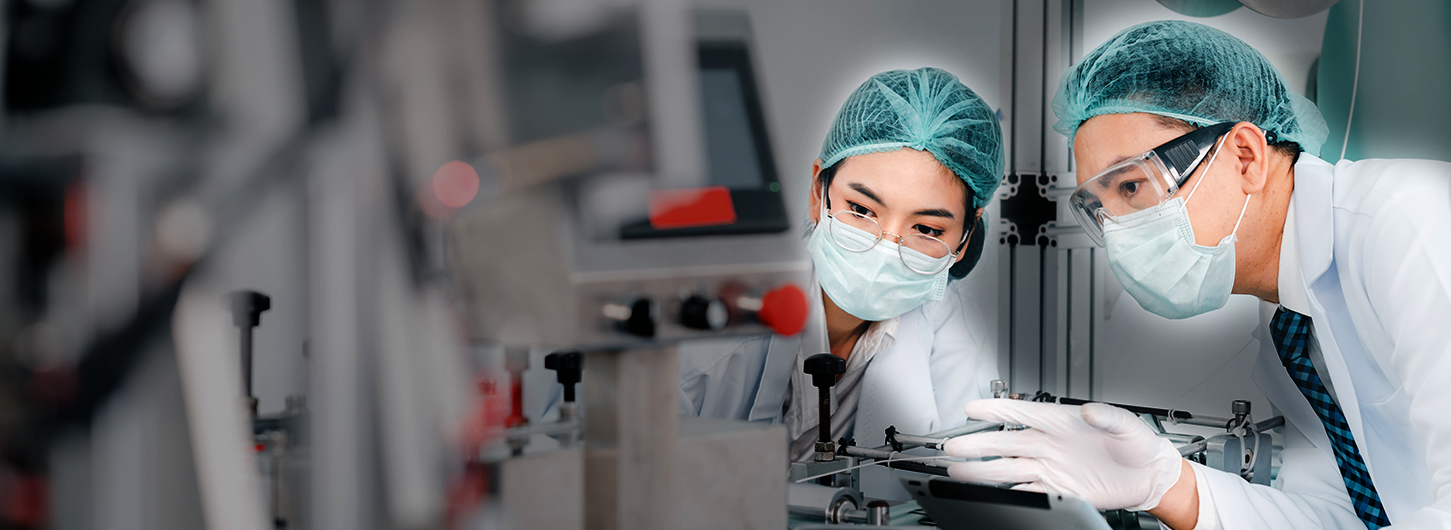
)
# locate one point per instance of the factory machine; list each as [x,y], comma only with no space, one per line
[610,260]
[630,232]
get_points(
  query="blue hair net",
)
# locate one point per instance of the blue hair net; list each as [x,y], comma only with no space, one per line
[926,109]
[1187,71]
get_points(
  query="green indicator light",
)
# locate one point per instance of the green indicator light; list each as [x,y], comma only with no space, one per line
[775,186]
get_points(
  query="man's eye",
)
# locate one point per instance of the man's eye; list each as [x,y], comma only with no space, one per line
[858,209]
[928,231]
[1130,187]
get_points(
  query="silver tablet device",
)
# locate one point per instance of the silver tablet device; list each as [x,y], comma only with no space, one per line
[960,506]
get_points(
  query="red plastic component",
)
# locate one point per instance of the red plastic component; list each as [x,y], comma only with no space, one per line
[683,208]
[516,404]
[783,309]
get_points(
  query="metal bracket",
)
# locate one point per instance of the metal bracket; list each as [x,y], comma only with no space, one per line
[1027,212]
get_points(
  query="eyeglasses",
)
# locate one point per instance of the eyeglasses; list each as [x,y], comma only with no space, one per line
[921,253]
[1142,182]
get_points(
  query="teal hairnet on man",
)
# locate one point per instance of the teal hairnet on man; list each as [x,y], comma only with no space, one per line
[1199,174]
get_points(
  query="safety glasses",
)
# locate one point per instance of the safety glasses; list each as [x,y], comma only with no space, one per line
[1142,182]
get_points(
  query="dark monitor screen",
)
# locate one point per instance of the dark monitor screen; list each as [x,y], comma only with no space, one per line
[738,149]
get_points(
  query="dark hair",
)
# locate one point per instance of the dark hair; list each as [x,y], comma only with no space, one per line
[973,245]
[1284,147]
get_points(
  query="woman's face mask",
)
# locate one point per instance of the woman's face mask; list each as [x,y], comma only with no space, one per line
[870,270]
[877,283]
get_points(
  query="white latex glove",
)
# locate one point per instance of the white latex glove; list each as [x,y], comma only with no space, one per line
[1101,453]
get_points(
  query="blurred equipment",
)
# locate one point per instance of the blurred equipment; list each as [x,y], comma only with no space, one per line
[247,309]
[609,255]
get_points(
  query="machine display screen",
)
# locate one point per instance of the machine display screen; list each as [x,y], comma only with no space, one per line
[730,148]
[738,149]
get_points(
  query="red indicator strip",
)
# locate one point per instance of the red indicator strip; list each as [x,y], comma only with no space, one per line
[683,208]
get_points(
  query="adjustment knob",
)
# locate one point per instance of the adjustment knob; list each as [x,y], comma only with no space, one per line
[823,369]
[1239,407]
[698,312]
[567,367]
[783,309]
[635,317]
[247,308]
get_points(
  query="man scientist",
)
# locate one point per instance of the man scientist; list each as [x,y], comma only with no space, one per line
[1198,172]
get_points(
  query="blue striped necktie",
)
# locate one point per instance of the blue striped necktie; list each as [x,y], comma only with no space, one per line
[1291,332]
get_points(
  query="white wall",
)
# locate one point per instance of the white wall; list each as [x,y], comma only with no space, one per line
[811,54]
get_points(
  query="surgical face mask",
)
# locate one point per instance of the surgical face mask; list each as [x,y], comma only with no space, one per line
[1154,256]
[875,284]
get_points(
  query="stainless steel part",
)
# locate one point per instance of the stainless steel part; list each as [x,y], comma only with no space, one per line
[559,427]
[1241,456]
[931,442]
[1193,448]
[1000,388]
[972,426]
[821,502]
[897,460]
[878,513]
[1204,421]
[568,411]
[1272,423]
[841,469]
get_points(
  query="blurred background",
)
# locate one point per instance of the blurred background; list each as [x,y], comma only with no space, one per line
[285,263]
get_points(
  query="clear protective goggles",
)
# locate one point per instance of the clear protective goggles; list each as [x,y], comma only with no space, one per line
[1141,182]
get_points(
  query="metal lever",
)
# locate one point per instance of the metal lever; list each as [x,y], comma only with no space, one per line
[568,367]
[823,369]
[247,308]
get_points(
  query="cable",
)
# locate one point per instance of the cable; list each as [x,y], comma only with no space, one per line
[873,463]
[1355,81]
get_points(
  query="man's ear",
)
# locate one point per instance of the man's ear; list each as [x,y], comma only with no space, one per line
[1247,147]
[815,209]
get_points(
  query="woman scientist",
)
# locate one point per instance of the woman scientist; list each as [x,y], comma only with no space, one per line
[896,205]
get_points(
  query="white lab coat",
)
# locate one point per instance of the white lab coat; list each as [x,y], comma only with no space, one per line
[1374,240]
[943,356]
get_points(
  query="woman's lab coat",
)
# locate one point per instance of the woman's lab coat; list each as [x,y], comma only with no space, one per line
[1374,240]
[943,356]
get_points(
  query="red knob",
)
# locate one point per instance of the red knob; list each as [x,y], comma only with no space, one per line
[783,309]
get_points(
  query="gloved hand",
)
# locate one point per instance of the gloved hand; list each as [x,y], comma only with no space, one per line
[1101,453]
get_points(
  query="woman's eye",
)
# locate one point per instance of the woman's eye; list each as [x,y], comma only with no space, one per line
[1130,187]
[858,209]
[928,231]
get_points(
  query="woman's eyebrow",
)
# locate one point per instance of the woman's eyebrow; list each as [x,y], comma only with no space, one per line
[935,212]
[864,190]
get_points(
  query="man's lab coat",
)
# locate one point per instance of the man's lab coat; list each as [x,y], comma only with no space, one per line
[1374,240]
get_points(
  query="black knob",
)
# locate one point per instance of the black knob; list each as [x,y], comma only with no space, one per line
[699,312]
[247,308]
[823,369]
[567,367]
[1239,407]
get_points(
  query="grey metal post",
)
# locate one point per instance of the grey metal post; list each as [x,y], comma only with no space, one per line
[630,426]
